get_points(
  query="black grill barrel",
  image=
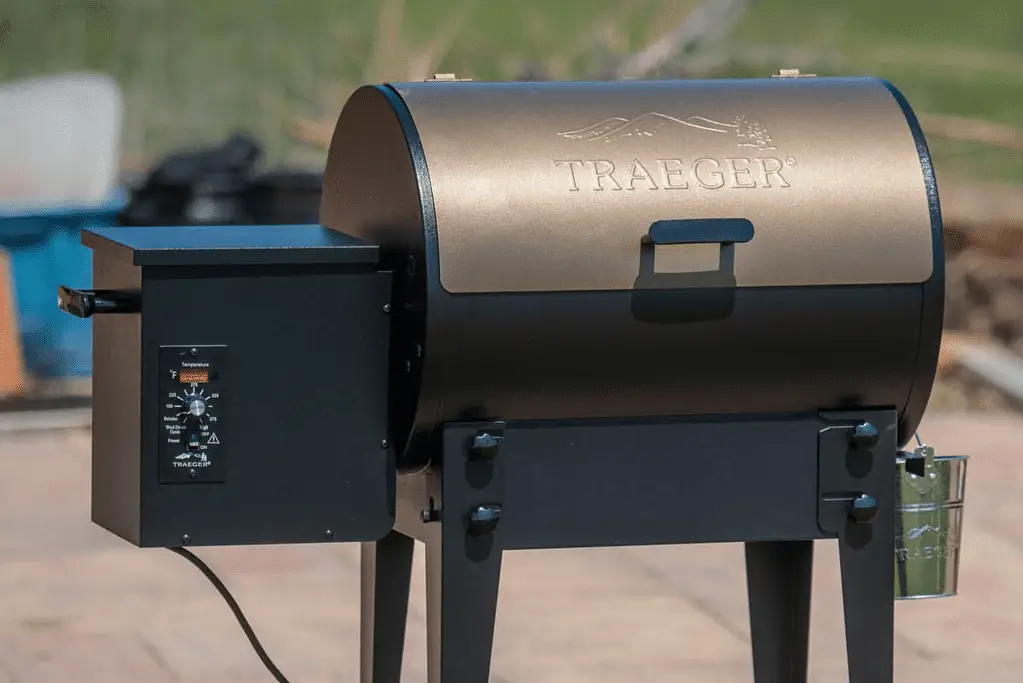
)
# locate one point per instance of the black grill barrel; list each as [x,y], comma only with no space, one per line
[597,240]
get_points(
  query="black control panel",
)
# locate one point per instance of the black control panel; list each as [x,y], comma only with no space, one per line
[192,431]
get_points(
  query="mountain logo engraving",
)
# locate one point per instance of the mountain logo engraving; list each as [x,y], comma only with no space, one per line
[916,533]
[745,132]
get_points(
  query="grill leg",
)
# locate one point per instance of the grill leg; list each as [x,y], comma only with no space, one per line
[866,555]
[779,577]
[386,582]
[463,574]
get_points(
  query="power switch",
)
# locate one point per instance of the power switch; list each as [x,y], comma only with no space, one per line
[193,442]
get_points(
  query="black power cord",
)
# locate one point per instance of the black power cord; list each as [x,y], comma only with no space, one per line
[236,610]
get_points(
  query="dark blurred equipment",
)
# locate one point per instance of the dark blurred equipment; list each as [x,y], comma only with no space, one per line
[196,187]
[223,186]
[551,315]
[284,197]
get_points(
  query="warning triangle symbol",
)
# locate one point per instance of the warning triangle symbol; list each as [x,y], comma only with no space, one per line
[213,440]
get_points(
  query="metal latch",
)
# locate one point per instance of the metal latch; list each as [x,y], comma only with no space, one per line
[446,78]
[845,456]
[792,73]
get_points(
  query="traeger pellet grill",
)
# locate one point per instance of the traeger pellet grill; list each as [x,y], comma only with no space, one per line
[548,315]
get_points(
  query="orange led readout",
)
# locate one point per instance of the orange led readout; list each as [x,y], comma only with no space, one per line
[194,376]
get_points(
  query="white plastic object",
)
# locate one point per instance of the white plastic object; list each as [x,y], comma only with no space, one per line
[60,140]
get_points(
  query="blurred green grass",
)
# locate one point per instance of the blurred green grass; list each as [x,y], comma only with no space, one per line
[947,56]
[192,70]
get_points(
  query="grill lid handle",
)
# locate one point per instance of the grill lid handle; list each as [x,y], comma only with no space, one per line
[701,231]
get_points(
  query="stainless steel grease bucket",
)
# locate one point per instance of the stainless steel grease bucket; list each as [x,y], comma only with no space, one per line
[928,524]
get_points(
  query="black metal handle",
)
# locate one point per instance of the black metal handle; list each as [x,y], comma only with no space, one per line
[83,303]
[701,231]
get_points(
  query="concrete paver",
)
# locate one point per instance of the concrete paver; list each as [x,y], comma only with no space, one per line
[60,656]
[78,604]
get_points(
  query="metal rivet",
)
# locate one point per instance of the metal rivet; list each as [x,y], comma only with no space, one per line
[186,539]
[329,534]
[194,352]
[192,474]
[387,308]
[384,443]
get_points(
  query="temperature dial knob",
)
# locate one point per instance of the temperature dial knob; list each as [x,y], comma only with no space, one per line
[193,408]
[196,407]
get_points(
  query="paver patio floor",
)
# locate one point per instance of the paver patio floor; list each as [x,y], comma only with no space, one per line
[77,604]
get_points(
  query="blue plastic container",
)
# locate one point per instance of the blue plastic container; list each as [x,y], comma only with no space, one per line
[46,251]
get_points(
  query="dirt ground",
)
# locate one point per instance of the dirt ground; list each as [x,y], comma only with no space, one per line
[983,301]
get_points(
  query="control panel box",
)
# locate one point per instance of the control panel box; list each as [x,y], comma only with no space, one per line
[243,400]
[192,390]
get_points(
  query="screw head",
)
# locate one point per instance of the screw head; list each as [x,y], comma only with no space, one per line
[192,474]
[329,534]
[387,308]
[186,539]
[194,352]
[385,444]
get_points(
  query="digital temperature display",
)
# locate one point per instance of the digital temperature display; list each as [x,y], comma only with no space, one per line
[194,376]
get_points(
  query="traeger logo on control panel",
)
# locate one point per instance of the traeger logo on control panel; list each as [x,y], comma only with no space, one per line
[758,170]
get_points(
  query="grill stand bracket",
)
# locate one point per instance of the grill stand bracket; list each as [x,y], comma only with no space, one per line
[776,484]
